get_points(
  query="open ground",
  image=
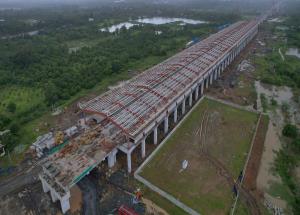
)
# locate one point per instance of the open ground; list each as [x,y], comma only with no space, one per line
[215,140]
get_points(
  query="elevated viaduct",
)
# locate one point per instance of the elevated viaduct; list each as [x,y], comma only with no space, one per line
[127,115]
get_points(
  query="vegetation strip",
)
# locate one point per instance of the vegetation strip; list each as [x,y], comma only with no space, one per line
[245,167]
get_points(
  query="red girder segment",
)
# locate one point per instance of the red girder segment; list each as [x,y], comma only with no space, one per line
[152,91]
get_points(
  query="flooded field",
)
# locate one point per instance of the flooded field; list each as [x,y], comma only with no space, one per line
[283,96]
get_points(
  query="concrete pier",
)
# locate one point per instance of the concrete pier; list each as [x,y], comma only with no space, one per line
[166,124]
[183,107]
[60,194]
[175,115]
[143,148]
[155,135]
[112,158]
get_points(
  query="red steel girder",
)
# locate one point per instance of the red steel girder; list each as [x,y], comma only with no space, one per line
[152,91]
[129,111]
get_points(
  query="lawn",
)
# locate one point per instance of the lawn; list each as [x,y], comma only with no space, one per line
[226,136]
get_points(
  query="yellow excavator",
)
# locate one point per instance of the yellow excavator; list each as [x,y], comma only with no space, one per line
[59,138]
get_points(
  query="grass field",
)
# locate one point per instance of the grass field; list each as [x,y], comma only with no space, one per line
[24,98]
[226,136]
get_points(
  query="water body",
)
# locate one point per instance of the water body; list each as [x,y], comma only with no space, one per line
[275,20]
[114,28]
[293,52]
[163,20]
[153,21]
[30,33]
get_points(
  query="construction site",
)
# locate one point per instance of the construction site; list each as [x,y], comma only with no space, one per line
[153,112]
[121,119]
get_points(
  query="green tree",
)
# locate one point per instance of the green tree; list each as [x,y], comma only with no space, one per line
[11,107]
[296,145]
[14,128]
[4,121]
[290,130]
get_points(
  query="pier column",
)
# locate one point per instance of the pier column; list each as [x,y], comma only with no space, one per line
[207,81]
[143,147]
[166,125]
[202,88]
[216,73]
[53,195]
[155,135]
[211,78]
[183,106]
[175,114]
[65,202]
[197,93]
[191,99]
[129,162]
[65,205]
[112,158]
[45,186]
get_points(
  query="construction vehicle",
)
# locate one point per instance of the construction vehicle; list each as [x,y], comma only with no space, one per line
[59,138]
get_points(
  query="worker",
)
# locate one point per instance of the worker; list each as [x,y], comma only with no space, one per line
[235,190]
[240,178]
[138,196]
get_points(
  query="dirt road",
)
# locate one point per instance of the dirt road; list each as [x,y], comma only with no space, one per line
[18,182]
